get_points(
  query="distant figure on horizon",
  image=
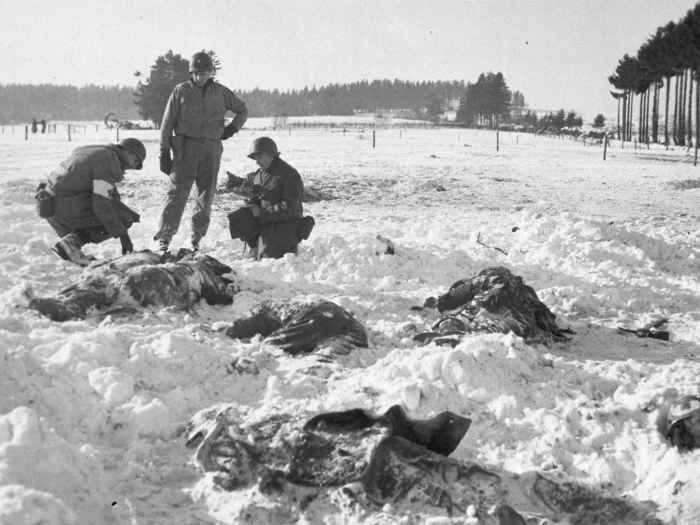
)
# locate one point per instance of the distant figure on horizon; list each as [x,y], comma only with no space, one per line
[34,125]
[43,125]
[81,202]
[193,126]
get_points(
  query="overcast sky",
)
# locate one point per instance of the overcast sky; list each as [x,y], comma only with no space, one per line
[559,53]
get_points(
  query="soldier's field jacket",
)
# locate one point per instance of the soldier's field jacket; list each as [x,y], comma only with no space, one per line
[281,187]
[198,112]
[84,190]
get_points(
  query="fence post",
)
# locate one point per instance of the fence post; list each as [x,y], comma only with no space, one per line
[117,128]
[374,138]
[605,148]
[497,141]
[68,132]
[26,132]
[695,161]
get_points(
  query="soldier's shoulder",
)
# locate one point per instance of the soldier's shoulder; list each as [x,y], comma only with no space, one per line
[182,86]
[92,151]
[218,85]
[289,169]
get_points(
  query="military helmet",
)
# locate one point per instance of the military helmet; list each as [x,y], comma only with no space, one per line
[201,63]
[263,145]
[136,147]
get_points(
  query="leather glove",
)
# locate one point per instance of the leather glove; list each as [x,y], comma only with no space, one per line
[166,161]
[229,131]
[127,247]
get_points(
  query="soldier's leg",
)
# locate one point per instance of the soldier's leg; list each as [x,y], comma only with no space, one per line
[94,234]
[179,189]
[278,239]
[206,188]
[61,228]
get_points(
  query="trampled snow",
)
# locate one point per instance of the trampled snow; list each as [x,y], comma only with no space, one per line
[92,412]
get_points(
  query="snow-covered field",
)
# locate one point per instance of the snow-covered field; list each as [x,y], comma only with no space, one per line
[92,412]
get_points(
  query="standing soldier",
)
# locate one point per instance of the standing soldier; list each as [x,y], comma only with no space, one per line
[276,192]
[80,200]
[193,127]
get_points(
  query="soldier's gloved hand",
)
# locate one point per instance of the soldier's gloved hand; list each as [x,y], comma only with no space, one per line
[255,210]
[229,131]
[266,205]
[233,180]
[127,247]
[166,161]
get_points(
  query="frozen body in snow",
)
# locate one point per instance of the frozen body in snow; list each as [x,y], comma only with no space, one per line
[679,422]
[495,300]
[299,326]
[388,459]
[145,279]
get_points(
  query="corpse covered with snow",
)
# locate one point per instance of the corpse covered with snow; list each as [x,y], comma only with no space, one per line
[368,461]
[142,278]
[301,326]
[679,422]
[497,301]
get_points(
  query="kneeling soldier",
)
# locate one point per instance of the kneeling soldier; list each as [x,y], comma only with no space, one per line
[80,200]
[276,191]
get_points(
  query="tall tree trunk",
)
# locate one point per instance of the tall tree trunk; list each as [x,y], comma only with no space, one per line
[697,108]
[689,124]
[655,113]
[618,118]
[668,93]
[640,128]
[682,105]
[624,116]
[675,111]
[647,112]
[630,110]
[645,132]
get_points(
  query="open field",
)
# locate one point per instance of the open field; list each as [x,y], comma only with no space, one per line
[603,244]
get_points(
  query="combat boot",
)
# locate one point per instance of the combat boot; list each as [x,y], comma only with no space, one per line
[69,249]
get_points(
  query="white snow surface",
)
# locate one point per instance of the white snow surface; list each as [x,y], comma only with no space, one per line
[92,412]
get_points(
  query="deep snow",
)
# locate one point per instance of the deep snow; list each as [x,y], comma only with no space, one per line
[92,412]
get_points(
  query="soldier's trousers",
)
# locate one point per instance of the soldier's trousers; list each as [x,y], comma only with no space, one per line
[197,163]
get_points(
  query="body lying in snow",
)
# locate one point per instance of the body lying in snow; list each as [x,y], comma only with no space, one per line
[141,279]
[679,422]
[364,461]
[300,327]
[497,301]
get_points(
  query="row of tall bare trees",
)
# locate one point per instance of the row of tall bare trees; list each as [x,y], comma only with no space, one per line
[666,67]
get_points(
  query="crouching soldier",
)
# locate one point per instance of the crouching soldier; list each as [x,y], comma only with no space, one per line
[80,200]
[275,203]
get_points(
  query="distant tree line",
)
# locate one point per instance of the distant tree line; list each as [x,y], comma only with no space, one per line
[420,99]
[424,99]
[666,67]
[22,102]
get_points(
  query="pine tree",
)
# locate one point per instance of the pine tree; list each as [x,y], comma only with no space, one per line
[152,95]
